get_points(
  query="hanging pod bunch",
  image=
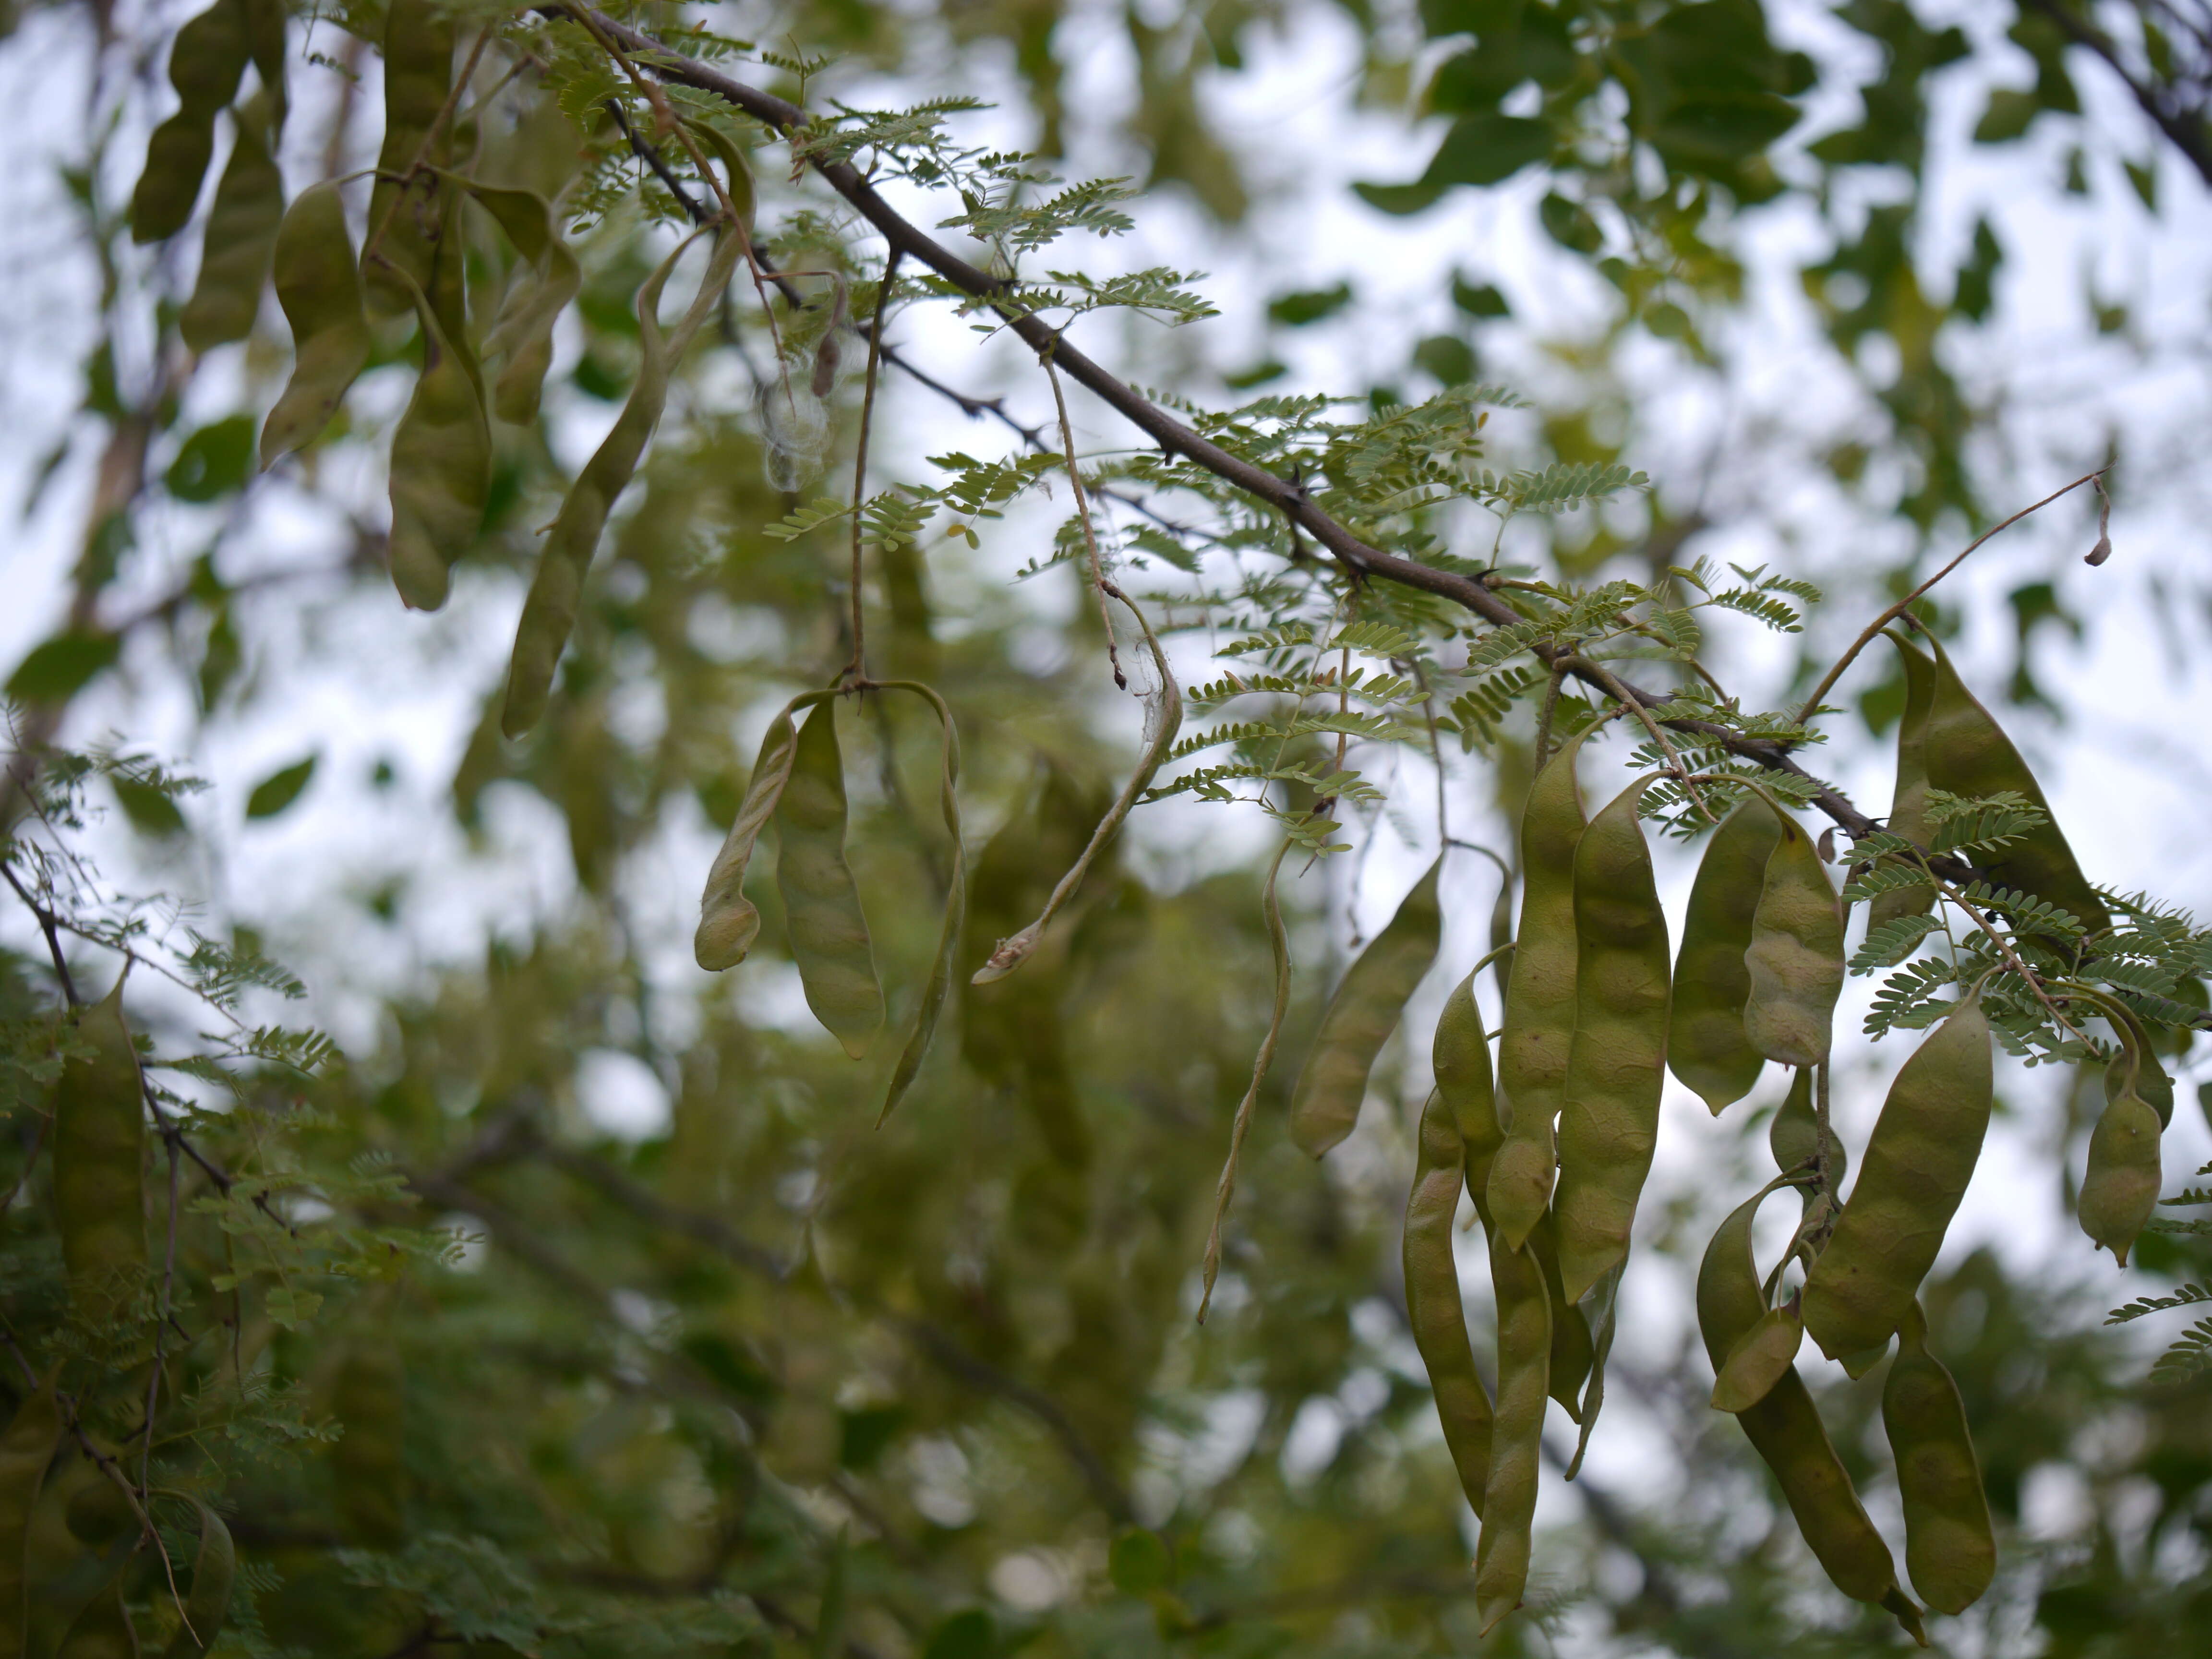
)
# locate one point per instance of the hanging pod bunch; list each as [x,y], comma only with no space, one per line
[241,236]
[821,902]
[206,63]
[1795,957]
[549,614]
[1617,1059]
[1539,999]
[1915,1171]
[1965,752]
[1360,1016]
[1908,803]
[441,466]
[408,210]
[319,285]
[100,1156]
[1706,1047]
[1785,1428]
[1950,1550]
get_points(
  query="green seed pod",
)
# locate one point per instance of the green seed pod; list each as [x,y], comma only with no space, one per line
[26,1447]
[441,468]
[549,614]
[939,984]
[728,922]
[1785,1429]
[319,285]
[205,66]
[2120,1187]
[1525,1364]
[1757,1359]
[1795,957]
[100,1149]
[1949,1549]
[1967,753]
[1434,1310]
[241,238]
[1539,999]
[1706,1047]
[523,336]
[1359,1018]
[103,1630]
[821,904]
[2138,1058]
[368,1465]
[406,214]
[1461,1059]
[215,1572]
[1573,1353]
[1908,807]
[1617,1066]
[1917,1163]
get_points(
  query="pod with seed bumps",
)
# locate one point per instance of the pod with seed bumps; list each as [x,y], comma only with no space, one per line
[821,903]
[1434,1310]
[1706,1047]
[1516,1435]
[1757,1359]
[1915,1171]
[1795,957]
[319,286]
[205,66]
[1949,1549]
[2119,1188]
[241,236]
[440,467]
[406,211]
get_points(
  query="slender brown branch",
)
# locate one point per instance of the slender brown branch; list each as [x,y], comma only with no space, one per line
[2188,135]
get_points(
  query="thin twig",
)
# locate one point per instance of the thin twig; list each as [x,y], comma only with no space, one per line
[1083,513]
[857,669]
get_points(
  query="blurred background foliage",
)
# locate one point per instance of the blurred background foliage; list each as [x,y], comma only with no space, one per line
[718,1368]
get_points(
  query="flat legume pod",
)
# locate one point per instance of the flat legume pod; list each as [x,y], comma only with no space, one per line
[2138,1062]
[1908,805]
[1949,1549]
[406,214]
[821,902]
[100,1145]
[1360,1016]
[1785,1428]
[26,1448]
[1756,1360]
[1539,999]
[440,467]
[319,285]
[939,984]
[1434,1310]
[1573,1351]
[1617,1064]
[1524,1365]
[1460,1056]
[205,66]
[1917,1163]
[2120,1187]
[728,920]
[522,338]
[1706,1047]
[1967,753]
[1795,957]
[241,236]
[214,1571]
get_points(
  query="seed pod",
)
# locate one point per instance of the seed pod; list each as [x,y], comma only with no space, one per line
[241,235]
[1525,1364]
[737,170]
[1967,753]
[829,357]
[1758,1359]
[1572,1350]
[1917,1163]
[821,904]
[407,211]
[1795,957]
[523,336]
[1539,999]
[100,1187]
[549,614]
[2120,1187]
[205,64]
[103,1630]
[26,1448]
[1785,1429]
[319,285]
[1908,805]
[728,922]
[1949,1549]
[2137,1060]
[939,982]
[214,1571]
[1461,1059]
[1706,1047]
[1434,1310]
[1359,1018]
[368,1464]
[1617,1065]
[441,468]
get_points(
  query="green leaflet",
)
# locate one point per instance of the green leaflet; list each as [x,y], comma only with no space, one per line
[26,1448]
[241,236]
[550,613]
[1908,805]
[406,216]
[441,468]
[956,906]
[522,337]
[728,920]
[319,285]
[215,1569]
[1359,1018]
[821,904]
[98,1169]
[1795,957]
[205,64]
[1967,753]
[1706,1047]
